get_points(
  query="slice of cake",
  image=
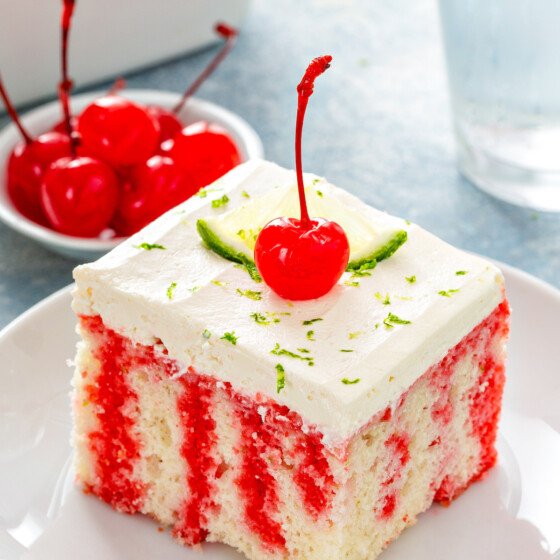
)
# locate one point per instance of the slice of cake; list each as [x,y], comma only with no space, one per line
[315,429]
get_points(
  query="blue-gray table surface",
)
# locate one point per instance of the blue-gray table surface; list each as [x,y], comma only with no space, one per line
[377,125]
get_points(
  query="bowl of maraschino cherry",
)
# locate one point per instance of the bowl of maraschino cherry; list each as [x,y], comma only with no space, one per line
[116,161]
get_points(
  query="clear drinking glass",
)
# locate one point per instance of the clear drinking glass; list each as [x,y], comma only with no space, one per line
[503,63]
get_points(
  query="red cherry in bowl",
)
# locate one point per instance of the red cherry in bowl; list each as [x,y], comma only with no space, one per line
[28,161]
[301,260]
[79,196]
[165,148]
[26,167]
[205,152]
[154,187]
[118,85]
[169,124]
[118,131]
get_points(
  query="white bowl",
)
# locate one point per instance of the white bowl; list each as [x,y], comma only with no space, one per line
[45,117]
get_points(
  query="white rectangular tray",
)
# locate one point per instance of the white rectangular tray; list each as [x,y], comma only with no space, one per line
[109,37]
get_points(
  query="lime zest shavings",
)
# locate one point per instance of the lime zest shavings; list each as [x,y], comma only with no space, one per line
[448,293]
[150,246]
[219,202]
[385,300]
[391,320]
[171,290]
[230,337]
[251,294]
[347,381]
[280,378]
[266,318]
[278,351]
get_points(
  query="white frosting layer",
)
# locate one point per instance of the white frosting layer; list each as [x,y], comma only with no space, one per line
[128,288]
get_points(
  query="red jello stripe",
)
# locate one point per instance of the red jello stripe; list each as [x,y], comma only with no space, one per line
[113,443]
[199,441]
[271,434]
[397,445]
[313,474]
[389,506]
[257,486]
[486,404]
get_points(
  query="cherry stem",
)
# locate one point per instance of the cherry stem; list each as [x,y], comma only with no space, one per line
[13,113]
[230,35]
[65,86]
[118,85]
[305,90]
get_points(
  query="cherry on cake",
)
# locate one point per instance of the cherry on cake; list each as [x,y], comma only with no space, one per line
[314,429]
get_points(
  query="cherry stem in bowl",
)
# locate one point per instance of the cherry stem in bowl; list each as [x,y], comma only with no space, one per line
[230,35]
[305,90]
[13,113]
[65,86]
[118,85]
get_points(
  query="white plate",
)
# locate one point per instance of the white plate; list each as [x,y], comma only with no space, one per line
[45,117]
[514,514]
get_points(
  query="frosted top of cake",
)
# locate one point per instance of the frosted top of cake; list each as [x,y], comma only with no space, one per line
[345,356]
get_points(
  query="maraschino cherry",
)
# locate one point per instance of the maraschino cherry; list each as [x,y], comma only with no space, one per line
[153,188]
[168,123]
[118,131]
[302,259]
[205,152]
[70,177]
[116,87]
[79,194]
[27,164]
[167,179]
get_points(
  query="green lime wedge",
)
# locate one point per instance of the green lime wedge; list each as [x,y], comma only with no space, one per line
[233,234]
[222,248]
